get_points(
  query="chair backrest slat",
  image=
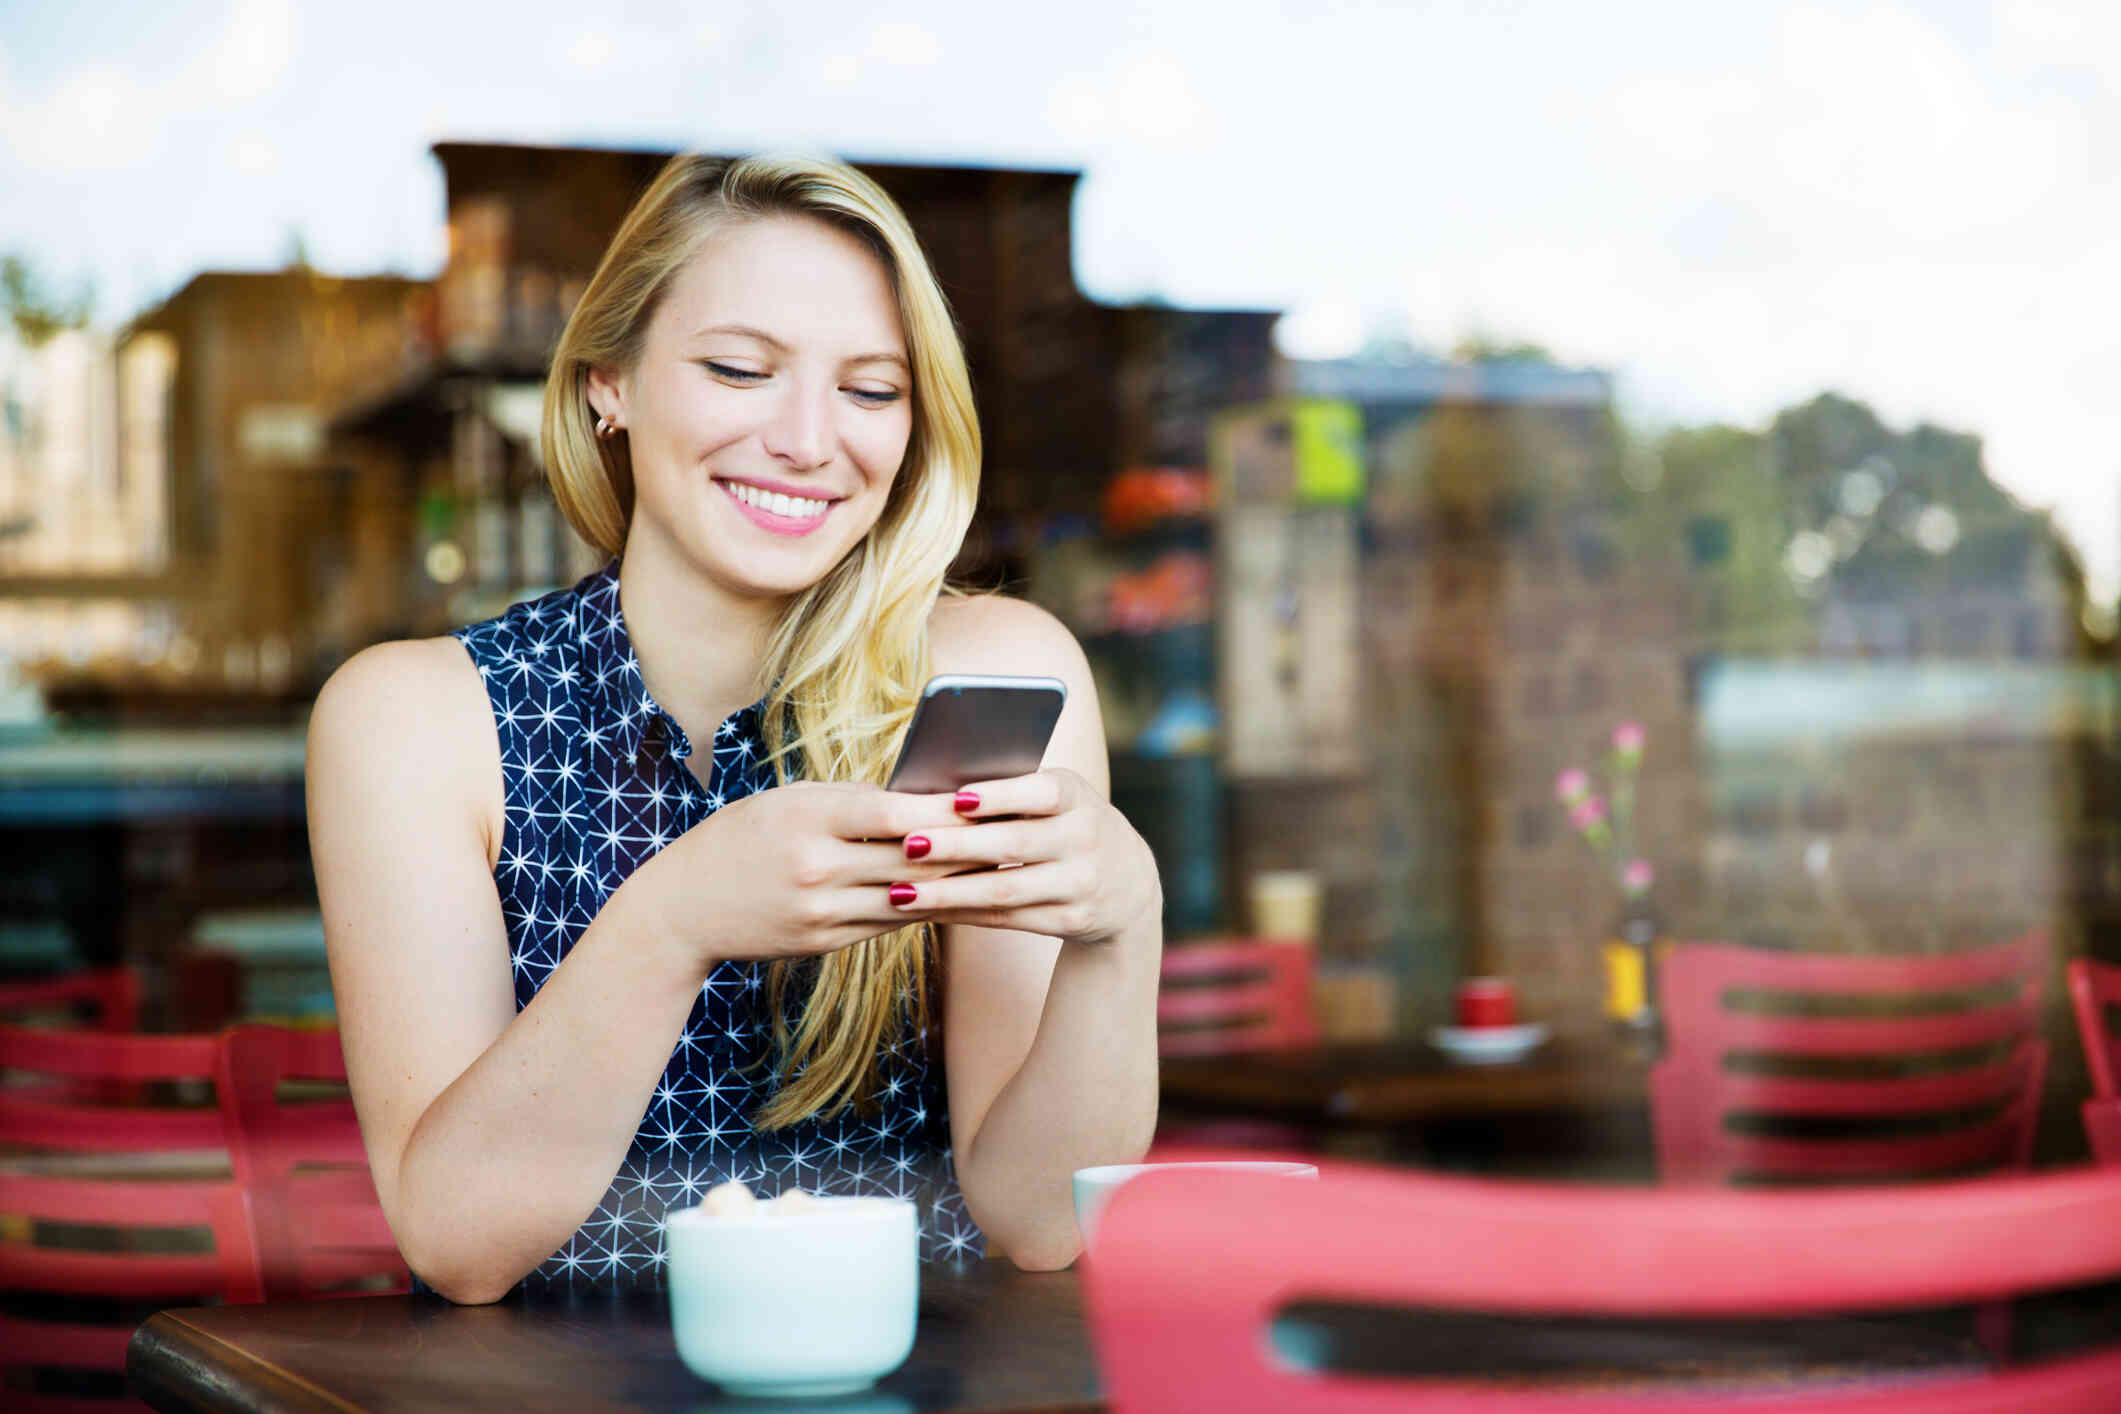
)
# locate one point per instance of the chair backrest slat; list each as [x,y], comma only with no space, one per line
[1874,1035]
[104,1055]
[120,1129]
[67,1346]
[1998,1082]
[1190,1269]
[112,993]
[131,1275]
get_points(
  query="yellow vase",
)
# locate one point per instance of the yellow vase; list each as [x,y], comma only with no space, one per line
[1626,980]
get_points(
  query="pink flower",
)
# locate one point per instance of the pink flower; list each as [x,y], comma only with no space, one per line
[1627,739]
[1589,813]
[1637,877]
[1572,786]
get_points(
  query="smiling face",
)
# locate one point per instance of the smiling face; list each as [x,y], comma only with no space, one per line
[770,407]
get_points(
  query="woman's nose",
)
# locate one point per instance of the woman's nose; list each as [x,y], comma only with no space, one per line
[800,431]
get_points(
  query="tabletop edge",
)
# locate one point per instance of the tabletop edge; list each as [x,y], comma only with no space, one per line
[163,1367]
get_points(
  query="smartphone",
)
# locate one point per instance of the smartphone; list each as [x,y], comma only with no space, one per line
[968,728]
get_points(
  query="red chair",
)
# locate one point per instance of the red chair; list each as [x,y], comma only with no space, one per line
[111,993]
[1897,1066]
[1224,996]
[88,1152]
[1192,1268]
[2093,987]
[319,1226]
[1240,995]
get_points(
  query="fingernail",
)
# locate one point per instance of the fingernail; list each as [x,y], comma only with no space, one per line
[917,846]
[902,894]
[966,802]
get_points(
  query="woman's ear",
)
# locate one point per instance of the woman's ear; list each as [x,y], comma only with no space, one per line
[607,395]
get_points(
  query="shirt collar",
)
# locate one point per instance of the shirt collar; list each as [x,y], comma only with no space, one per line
[620,708]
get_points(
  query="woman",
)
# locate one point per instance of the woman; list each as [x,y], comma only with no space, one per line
[584,971]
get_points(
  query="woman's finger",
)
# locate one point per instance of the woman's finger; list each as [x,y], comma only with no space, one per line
[849,915]
[1043,793]
[882,862]
[1024,840]
[869,813]
[986,891]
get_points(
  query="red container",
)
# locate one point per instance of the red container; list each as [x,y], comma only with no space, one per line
[1485,1001]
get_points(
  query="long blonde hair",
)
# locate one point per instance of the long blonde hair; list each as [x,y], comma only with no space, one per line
[845,664]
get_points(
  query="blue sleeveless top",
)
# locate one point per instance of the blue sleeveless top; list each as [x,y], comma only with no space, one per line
[595,781]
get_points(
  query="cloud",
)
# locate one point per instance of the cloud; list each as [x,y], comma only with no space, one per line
[255,155]
[252,53]
[94,119]
[2058,34]
[906,45]
[1143,97]
[583,47]
[113,115]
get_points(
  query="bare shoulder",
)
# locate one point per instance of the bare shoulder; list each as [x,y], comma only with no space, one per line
[993,633]
[411,713]
[426,687]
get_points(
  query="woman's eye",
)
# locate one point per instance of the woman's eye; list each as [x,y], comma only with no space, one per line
[735,375]
[874,397]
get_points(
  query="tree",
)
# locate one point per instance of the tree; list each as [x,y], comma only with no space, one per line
[36,312]
[1478,348]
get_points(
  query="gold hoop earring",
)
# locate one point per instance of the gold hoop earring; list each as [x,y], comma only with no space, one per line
[606,429]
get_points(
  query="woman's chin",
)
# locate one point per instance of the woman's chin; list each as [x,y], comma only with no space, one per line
[764,577]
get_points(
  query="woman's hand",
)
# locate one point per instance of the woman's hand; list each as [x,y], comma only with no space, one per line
[1081,872]
[798,869]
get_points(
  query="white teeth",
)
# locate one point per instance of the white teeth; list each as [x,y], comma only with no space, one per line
[792,507]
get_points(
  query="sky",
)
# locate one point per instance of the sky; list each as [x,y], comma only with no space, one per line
[1729,206]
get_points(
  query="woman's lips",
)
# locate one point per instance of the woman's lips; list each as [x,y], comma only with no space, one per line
[773,521]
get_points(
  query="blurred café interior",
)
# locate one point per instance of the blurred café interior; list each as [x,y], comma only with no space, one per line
[1417,666]
[1350,619]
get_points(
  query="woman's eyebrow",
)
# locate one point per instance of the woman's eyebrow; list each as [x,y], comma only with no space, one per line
[744,331]
[749,331]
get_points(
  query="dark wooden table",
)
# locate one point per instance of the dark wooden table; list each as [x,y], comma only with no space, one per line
[990,1338]
[1386,1083]
[1576,1107]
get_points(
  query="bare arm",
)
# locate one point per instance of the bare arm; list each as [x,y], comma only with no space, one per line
[491,1135]
[1050,1045]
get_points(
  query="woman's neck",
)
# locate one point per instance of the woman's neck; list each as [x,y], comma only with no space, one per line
[700,647]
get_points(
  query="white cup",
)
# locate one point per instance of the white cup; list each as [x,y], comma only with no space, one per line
[796,1305]
[1094,1187]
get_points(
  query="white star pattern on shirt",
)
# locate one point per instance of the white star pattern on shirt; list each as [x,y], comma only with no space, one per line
[596,780]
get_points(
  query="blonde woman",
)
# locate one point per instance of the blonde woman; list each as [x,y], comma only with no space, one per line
[617,908]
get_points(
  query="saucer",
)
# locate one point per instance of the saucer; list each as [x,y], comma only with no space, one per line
[1488,1045]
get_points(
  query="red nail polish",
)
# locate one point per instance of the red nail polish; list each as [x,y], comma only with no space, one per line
[917,846]
[902,894]
[966,802]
